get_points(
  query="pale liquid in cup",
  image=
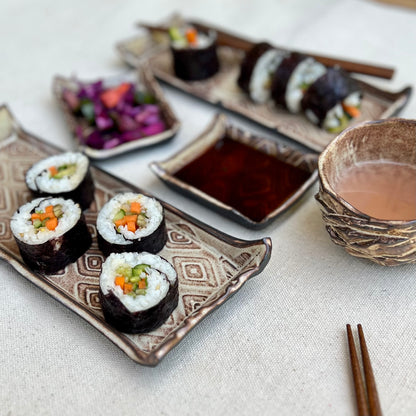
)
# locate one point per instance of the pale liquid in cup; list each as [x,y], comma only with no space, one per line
[381,189]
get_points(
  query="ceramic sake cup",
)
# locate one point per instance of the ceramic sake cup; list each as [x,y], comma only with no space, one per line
[386,242]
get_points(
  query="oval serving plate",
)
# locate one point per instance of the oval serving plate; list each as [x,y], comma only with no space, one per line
[211,265]
[222,89]
[215,132]
[143,79]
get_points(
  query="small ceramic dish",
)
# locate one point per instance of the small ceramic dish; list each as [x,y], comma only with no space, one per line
[386,242]
[247,178]
[143,80]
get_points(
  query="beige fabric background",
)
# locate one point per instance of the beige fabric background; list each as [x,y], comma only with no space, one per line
[278,346]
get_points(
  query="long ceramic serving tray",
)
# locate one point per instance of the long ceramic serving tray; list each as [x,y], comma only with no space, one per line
[222,89]
[143,79]
[220,127]
[211,266]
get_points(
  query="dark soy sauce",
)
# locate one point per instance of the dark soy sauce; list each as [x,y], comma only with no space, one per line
[253,183]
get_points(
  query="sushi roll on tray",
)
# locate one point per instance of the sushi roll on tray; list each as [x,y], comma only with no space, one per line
[194,53]
[138,291]
[333,100]
[66,175]
[257,70]
[131,222]
[292,78]
[50,233]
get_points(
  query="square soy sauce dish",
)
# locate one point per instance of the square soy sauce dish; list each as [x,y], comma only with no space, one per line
[247,178]
[115,115]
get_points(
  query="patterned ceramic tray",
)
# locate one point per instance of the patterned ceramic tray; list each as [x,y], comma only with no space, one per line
[211,266]
[143,79]
[222,90]
[216,131]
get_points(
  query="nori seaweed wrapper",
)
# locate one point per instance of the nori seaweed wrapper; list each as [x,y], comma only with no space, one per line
[194,64]
[327,91]
[152,243]
[56,253]
[249,62]
[282,75]
[83,193]
[118,316]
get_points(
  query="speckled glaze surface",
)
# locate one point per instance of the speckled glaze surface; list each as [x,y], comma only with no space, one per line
[219,128]
[222,90]
[388,243]
[143,79]
[211,266]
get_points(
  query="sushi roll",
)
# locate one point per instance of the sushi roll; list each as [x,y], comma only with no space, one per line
[66,175]
[131,222]
[50,233]
[333,100]
[257,69]
[194,53]
[292,78]
[138,291]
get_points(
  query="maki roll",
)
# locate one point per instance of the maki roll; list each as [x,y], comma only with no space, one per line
[257,69]
[138,291]
[50,233]
[66,175]
[194,53]
[131,222]
[292,78]
[332,100]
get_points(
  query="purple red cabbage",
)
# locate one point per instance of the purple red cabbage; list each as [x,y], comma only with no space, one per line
[136,115]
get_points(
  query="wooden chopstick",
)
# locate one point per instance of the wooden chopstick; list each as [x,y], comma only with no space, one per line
[368,403]
[229,39]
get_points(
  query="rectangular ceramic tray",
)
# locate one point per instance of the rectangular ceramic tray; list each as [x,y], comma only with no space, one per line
[218,129]
[143,79]
[211,266]
[222,90]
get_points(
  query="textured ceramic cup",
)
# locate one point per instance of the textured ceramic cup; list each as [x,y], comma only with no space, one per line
[385,242]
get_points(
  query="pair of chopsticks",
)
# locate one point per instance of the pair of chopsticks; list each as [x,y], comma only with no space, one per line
[225,38]
[368,403]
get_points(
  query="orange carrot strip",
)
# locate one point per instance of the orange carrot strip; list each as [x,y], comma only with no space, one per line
[128,287]
[53,170]
[46,215]
[135,207]
[131,226]
[35,216]
[130,217]
[351,110]
[142,284]
[119,281]
[119,223]
[191,36]
[52,223]
[112,96]
[49,209]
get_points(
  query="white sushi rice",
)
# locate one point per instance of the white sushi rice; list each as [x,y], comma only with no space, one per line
[160,275]
[307,72]
[333,117]
[23,229]
[203,41]
[353,99]
[261,78]
[122,235]
[38,177]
